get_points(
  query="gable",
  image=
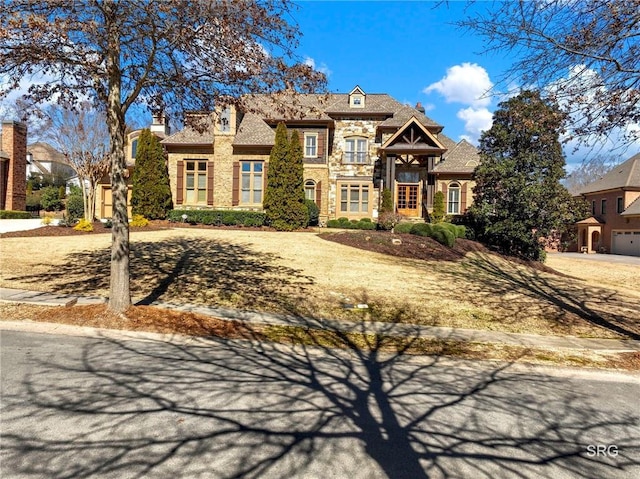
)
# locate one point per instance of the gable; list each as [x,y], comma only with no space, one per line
[413,136]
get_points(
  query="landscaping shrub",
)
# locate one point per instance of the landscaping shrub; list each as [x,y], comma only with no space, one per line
[14,215]
[33,201]
[438,207]
[387,220]
[84,225]
[363,224]
[314,212]
[443,236]
[421,229]
[461,231]
[403,228]
[387,201]
[219,217]
[49,199]
[75,205]
[139,221]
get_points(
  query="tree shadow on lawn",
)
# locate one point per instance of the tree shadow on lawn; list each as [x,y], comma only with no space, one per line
[493,282]
[193,270]
[230,409]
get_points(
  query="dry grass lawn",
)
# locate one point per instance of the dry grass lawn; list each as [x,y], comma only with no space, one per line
[301,273]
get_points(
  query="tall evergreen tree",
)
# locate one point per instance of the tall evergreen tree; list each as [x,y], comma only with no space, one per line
[284,196]
[518,197]
[151,195]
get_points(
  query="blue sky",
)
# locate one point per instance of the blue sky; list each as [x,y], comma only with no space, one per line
[412,51]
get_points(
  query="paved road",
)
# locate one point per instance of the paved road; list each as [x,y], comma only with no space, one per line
[77,407]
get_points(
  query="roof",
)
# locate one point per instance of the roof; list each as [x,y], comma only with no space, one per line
[191,136]
[43,151]
[262,108]
[625,175]
[253,131]
[590,221]
[633,209]
[462,158]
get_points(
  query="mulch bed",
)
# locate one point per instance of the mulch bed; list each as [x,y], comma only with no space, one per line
[411,246]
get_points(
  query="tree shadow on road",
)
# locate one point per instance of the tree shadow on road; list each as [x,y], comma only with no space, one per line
[231,409]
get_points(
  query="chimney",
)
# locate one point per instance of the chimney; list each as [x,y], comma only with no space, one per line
[13,166]
[160,124]
[420,108]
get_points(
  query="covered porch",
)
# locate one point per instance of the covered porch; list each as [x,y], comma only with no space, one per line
[407,159]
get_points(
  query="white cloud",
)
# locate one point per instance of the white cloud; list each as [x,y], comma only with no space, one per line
[322,68]
[468,84]
[476,120]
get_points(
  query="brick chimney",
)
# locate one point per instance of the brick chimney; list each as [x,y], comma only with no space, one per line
[160,123]
[13,166]
[420,108]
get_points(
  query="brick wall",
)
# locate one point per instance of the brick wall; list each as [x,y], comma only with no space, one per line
[13,184]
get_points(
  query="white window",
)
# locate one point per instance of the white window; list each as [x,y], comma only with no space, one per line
[355,150]
[251,188]
[453,204]
[310,190]
[310,145]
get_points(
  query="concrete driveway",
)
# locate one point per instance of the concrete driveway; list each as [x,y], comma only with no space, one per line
[607,258]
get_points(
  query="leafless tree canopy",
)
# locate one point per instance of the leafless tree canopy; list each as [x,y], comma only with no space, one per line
[584,53]
[171,54]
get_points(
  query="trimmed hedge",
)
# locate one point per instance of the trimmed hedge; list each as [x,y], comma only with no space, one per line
[403,228]
[15,215]
[363,224]
[219,217]
[443,233]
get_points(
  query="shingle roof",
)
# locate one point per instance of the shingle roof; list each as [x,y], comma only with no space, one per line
[633,209]
[462,158]
[45,152]
[191,136]
[253,131]
[402,114]
[624,175]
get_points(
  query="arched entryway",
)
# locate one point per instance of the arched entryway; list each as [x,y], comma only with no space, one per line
[595,241]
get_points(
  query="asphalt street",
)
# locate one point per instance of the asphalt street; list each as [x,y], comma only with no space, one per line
[77,407]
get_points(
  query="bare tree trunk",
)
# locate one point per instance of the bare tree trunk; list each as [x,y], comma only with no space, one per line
[85,197]
[91,200]
[119,292]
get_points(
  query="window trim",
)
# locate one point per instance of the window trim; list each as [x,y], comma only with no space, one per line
[310,185]
[252,185]
[356,153]
[619,204]
[454,187]
[350,186]
[197,172]
[315,145]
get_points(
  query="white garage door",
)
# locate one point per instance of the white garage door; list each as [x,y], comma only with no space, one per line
[626,242]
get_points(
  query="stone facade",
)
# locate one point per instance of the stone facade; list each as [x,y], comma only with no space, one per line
[13,166]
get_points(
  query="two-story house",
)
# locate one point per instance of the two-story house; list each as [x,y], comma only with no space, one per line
[615,208]
[355,145]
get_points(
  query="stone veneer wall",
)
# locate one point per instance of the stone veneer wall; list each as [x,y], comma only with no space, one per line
[345,128]
[14,186]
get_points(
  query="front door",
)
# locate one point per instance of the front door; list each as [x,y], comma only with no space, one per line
[407,199]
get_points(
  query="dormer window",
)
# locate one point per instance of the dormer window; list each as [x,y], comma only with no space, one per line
[356,98]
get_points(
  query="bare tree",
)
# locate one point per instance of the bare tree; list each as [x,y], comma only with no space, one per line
[174,54]
[585,54]
[589,171]
[81,134]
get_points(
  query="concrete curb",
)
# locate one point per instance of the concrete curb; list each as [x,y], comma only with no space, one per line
[389,329]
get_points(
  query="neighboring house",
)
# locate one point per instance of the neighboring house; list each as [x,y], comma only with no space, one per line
[104,198]
[354,145]
[13,165]
[45,161]
[615,207]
